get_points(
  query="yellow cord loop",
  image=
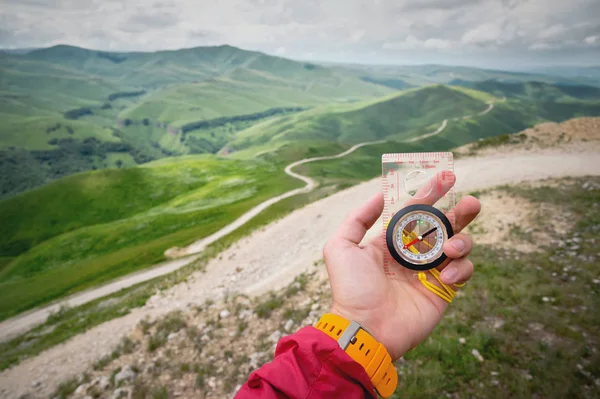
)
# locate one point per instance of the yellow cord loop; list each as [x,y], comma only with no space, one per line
[447,293]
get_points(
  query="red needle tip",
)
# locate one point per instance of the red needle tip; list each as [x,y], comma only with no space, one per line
[410,244]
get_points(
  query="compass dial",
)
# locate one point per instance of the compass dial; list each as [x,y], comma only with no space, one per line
[415,236]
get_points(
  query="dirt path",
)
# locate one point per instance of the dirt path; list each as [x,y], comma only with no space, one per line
[13,327]
[272,257]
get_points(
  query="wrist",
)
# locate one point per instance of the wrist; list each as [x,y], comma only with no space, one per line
[364,349]
[395,345]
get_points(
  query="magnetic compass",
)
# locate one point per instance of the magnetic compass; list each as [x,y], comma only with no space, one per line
[415,237]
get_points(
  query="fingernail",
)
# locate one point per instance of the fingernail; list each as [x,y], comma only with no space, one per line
[449,274]
[457,244]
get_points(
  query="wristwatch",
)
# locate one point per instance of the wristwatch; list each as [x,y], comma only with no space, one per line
[364,349]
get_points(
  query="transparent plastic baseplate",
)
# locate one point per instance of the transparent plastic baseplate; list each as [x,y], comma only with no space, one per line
[412,178]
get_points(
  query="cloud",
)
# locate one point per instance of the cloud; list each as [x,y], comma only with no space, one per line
[485,31]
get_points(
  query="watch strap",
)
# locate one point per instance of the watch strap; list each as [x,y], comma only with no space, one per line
[364,349]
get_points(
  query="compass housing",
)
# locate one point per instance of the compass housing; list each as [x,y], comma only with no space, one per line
[414,215]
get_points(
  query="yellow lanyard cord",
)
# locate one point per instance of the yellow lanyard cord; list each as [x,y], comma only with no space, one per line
[447,293]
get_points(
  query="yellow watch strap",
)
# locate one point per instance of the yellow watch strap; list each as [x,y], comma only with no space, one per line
[364,349]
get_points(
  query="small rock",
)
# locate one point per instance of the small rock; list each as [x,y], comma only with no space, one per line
[81,389]
[288,325]
[245,314]
[205,338]
[494,373]
[212,382]
[172,336]
[126,374]
[274,337]
[36,384]
[102,382]
[462,341]
[315,315]
[315,306]
[596,281]
[224,314]
[545,299]
[255,359]
[477,355]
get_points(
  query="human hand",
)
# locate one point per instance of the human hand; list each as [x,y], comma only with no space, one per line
[399,312]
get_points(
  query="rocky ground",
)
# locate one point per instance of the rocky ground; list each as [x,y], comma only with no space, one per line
[207,352]
[574,135]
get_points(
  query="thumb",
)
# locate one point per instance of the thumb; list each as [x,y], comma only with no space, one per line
[356,224]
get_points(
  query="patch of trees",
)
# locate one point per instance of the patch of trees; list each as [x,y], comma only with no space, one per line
[53,128]
[22,170]
[116,58]
[398,84]
[78,113]
[125,94]
[200,145]
[211,123]
[58,126]
[310,67]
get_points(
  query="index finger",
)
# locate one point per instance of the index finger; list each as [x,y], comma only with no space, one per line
[434,189]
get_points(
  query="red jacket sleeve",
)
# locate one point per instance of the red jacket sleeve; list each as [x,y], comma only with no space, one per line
[308,365]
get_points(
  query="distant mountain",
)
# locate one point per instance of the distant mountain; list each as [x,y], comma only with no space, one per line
[533,90]
[574,72]
[17,50]
[418,75]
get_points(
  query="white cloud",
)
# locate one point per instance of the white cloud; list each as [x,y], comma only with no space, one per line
[356,36]
[541,46]
[552,31]
[399,29]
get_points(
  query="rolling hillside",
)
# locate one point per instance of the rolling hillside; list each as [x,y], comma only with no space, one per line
[394,118]
[100,109]
[92,227]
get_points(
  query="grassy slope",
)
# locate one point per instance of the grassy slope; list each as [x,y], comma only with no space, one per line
[92,227]
[176,87]
[395,117]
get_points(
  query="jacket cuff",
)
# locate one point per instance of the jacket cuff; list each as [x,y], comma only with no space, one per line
[310,364]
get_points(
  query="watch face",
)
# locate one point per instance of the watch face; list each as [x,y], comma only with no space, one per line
[415,237]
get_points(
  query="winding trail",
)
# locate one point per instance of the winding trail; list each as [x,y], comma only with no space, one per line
[12,327]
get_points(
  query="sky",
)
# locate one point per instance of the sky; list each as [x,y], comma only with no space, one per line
[510,34]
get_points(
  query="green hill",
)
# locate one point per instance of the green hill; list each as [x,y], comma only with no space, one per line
[53,100]
[396,117]
[95,226]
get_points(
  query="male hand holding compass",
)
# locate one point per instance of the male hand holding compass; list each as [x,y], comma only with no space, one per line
[374,319]
[401,312]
